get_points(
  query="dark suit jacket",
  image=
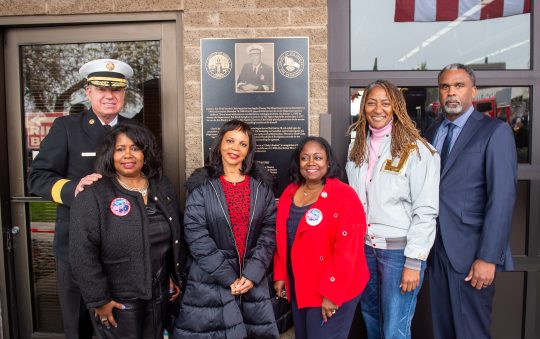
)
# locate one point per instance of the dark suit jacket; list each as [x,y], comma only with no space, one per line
[65,156]
[477,193]
[265,76]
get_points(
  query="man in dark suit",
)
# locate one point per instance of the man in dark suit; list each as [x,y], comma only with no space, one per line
[255,75]
[476,200]
[65,165]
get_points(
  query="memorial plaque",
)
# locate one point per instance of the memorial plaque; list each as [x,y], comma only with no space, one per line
[263,82]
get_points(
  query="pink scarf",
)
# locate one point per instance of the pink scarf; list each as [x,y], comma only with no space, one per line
[377,137]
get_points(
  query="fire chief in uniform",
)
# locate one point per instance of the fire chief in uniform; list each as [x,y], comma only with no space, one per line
[65,165]
[255,75]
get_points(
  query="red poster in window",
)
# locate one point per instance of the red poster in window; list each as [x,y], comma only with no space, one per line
[38,125]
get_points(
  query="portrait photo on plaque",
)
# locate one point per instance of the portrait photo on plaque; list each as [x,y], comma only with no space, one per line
[254,67]
[263,82]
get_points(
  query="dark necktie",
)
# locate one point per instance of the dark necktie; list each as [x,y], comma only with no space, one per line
[446,145]
[107,127]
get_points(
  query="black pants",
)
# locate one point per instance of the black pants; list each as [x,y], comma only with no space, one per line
[77,323]
[308,322]
[141,319]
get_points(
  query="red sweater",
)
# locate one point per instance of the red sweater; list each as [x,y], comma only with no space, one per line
[237,198]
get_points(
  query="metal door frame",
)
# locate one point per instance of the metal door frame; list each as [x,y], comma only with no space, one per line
[165,27]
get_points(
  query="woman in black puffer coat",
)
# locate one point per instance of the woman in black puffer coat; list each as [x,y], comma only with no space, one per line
[229,228]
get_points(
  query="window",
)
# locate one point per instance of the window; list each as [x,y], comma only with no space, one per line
[509,104]
[378,42]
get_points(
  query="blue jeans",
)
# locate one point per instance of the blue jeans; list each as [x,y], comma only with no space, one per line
[387,313]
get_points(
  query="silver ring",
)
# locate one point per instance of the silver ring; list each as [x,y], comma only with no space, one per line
[103,320]
[333,311]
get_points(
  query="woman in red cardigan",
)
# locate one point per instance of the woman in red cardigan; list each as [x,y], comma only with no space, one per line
[319,264]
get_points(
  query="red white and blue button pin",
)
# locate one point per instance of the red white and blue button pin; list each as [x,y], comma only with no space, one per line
[314,216]
[120,207]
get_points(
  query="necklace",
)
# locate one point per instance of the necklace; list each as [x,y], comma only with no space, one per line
[236,180]
[306,193]
[143,190]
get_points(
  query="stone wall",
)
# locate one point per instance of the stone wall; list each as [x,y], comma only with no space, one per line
[215,19]
[251,19]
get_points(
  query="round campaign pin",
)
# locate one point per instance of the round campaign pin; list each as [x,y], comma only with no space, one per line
[120,207]
[314,217]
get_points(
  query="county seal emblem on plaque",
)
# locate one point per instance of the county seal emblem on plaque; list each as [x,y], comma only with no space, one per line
[290,64]
[218,65]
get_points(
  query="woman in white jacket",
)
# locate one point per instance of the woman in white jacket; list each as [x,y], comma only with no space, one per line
[395,172]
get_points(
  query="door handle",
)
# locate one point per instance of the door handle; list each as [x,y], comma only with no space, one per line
[28,199]
[10,234]
[15,230]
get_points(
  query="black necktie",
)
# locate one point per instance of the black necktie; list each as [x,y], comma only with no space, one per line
[107,127]
[446,145]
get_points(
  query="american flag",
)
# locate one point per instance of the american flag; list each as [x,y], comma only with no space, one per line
[450,10]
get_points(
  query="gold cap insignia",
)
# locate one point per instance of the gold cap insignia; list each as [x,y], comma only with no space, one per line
[91,121]
[106,73]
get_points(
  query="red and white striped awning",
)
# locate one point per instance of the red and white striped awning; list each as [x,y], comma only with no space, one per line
[450,10]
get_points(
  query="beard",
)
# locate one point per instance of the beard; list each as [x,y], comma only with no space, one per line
[456,107]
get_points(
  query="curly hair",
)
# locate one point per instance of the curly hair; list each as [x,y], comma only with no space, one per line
[404,132]
[142,137]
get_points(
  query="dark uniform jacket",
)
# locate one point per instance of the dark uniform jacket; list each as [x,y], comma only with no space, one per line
[110,253]
[264,76]
[65,156]
[208,309]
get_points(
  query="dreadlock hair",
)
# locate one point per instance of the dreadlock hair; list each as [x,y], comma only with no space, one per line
[404,132]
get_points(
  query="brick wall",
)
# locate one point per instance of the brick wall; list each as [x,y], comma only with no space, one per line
[251,19]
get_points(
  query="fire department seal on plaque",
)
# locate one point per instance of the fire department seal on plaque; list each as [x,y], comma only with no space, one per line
[218,65]
[290,64]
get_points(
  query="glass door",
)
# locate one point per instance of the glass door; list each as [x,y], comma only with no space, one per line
[42,70]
